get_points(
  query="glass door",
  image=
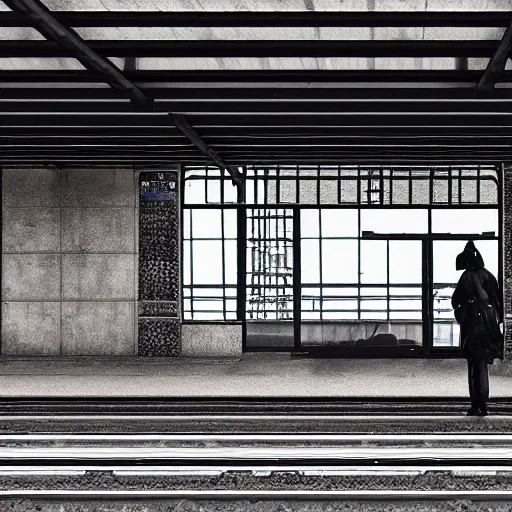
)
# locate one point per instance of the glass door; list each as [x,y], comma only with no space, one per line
[363,294]
[270,271]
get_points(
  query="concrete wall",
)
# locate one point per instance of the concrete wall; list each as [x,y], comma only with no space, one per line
[211,340]
[68,262]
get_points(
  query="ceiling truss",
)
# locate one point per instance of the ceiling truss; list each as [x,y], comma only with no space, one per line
[237,117]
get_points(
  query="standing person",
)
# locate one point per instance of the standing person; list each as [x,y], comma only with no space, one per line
[479,311]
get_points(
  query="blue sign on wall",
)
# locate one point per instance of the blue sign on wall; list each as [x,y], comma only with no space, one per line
[158,187]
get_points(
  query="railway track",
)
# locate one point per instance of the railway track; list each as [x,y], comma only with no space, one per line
[244,405]
[205,451]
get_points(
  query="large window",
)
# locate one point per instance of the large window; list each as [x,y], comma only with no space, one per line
[345,276]
[361,235]
[209,264]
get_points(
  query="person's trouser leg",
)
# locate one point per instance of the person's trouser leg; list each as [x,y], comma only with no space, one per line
[472,371]
[483,381]
[478,378]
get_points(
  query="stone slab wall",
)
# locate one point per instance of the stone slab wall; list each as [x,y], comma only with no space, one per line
[211,340]
[68,262]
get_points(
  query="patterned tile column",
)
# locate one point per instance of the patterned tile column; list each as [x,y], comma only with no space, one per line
[159,267]
[507,257]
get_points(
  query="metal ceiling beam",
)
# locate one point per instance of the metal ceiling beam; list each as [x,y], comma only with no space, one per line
[268,19]
[301,76]
[243,107]
[230,143]
[181,122]
[496,64]
[233,135]
[254,48]
[68,41]
[379,159]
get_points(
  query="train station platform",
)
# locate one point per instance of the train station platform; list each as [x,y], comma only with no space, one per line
[256,374]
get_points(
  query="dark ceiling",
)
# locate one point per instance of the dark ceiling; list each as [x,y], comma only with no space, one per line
[396,98]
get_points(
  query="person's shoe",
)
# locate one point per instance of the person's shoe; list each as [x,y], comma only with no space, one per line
[473,411]
[482,411]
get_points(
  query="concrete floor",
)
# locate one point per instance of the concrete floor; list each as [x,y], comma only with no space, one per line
[253,375]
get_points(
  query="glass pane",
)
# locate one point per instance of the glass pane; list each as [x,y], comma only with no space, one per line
[310,258]
[186,224]
[340,292]
[394,221]
[206,223]
[209,316]
[260,191]
[328,192]
[446,329]
[230,224]
[230,192]
[349,190]
[405,261]
[288,187]
[468,186]
[489,251]
[338,304]
[213,190]
[341,315]
[207,261]
[195,191]
[446,251]
[373,315]
[249,191]
[271,192]
[309,223]
[400,188]
[464,220]
[186,262]
[488,191]
[231,305]
[374,304]
[440,191]
[374,262]
[308,189]
[230,258]
[204,305]
[339,261]
[455,186]
[407,315]
[269,265]
[404,304]
[339,223]
[420,191]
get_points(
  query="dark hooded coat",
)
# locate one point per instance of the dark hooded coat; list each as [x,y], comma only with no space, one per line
[478,308]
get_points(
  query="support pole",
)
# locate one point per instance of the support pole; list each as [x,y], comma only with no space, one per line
[496,65]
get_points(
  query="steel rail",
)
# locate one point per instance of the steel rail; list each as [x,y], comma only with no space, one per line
[255,455]
[456,437]
[294,495]
[312,470]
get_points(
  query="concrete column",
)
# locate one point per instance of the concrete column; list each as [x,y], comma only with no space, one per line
[159,289]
